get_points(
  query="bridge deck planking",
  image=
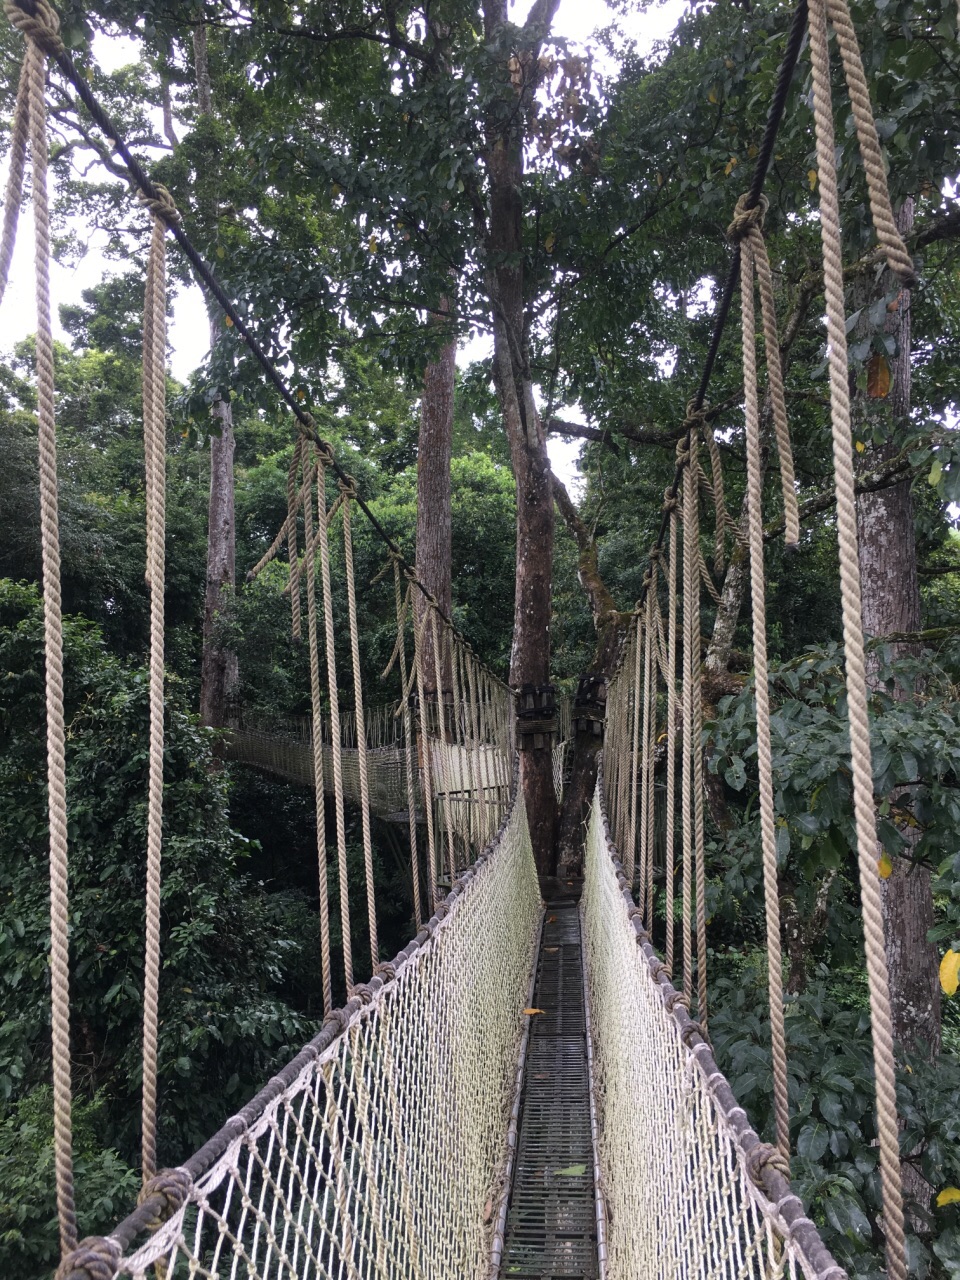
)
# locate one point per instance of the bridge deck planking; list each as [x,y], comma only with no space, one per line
[551,1221]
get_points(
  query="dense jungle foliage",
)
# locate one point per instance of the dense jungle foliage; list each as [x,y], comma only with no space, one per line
[336,186]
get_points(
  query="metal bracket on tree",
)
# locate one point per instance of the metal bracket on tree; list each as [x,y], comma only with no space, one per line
[536,716]
[590,705]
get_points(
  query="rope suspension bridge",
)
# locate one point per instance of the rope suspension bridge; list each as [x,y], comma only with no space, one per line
[523,1090]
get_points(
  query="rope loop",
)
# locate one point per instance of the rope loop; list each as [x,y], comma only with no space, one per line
[695,418]
[174,1186]
[348,487]
[670,500]
[762,1155]
[683,457]
[324,451]
[336,1018]
[386,971]
[674,998]
[163,206]
[363,992]
[94,1258]
[747,217]
[42,26]
[656,553]
[691,1029]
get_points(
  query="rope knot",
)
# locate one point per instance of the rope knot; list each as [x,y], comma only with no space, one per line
[94,1258]
[656,553]
[746,218]
[764,1154]
[674,998]
[324,451]
[690,1030]
[348,487]
[694,420]
[386,970]
[42,26]
[363,992]
[162,206]
[337,1019]
[173,1186]
[669,500]
[683,457]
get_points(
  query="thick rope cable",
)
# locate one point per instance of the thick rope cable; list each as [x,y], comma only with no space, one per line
[444,754]
[426,762]
[691,590]
[155,458]
[348,494]
[768,835]
[408,742]
[323,542]
[316,707]
[671,726]
[746,231]
[631,843]
[293,501]
[721,519]
[881,210]
[861,767]
[649,746]
[19,135]
[42,32]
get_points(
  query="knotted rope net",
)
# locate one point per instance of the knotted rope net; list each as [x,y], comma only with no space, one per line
[379,1150]
[689,1188]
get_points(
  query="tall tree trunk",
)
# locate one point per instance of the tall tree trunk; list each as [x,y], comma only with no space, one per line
[891,603]
[218,667]
[610,626]
[530,657]
[434,519]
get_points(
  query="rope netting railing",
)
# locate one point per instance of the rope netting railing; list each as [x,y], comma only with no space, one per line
[689,1188]
[379,1150]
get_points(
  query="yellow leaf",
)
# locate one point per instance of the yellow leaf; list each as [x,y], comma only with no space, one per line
[884,867]
[712,96]
[950,972]
[372,244]
[335,190]
[531,1012]
[731,164]
[878,377]
[949,1195]
[860,446]
[752,150]
[221,251]
[659,179]
[228,322]
[550,241]
[812,178]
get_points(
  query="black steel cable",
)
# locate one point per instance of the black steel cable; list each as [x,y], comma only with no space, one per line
[762,167]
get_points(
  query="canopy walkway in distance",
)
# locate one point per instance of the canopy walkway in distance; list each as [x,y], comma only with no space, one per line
[441,1125]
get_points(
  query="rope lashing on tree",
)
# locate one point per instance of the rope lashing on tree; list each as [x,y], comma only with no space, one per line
[748,225]
[42,31]
[155,462]
[861,765]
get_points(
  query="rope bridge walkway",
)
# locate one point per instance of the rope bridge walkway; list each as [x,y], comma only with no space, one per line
[439,1126]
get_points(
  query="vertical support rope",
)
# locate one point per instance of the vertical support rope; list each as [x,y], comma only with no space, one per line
[426,763]
[696,729]
[335,743]
[444,754]
[408,743]
[361,728]
[292,504]
[768,835]
[316,706]
[631,844]
[671,726]
[155,458]
[644,904]
[35,73]
[861,766]
[691,588]
[649,746]
[19,134]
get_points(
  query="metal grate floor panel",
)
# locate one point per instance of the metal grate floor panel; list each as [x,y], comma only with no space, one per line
[551,1222]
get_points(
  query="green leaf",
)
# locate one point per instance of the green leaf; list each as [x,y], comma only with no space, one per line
[572,1171]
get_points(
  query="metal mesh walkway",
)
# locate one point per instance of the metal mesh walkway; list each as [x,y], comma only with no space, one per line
[552,1221]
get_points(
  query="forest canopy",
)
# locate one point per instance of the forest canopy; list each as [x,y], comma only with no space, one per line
[379,187]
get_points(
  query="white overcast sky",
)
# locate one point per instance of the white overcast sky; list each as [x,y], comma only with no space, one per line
[188,336]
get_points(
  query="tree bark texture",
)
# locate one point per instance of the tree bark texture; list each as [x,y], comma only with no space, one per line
[891,603]
[503,160]
[434,560]
[218,667]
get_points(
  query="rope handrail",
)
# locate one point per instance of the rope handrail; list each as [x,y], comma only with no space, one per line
[171,1189]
